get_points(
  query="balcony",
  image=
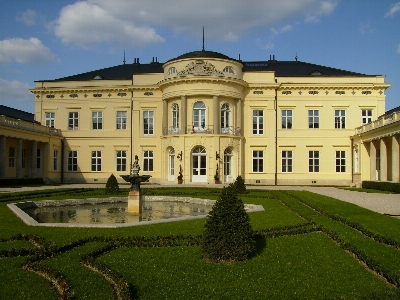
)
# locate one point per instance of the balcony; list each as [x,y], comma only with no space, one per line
[29,126]
[235,131]
[380,122]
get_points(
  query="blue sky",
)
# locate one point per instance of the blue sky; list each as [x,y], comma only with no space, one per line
[48,39]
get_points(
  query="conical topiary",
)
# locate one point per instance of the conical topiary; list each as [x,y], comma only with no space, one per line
[228,235]
[112,186]
[239,185]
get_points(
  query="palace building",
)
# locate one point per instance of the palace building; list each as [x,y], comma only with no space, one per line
[205,114]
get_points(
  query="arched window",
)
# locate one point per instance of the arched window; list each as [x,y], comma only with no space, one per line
[172,70]
[225,118]
[171,165]
[199,164]
[229,70]
[175,117]
[199,116]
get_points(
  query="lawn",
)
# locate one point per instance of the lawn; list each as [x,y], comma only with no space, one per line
[308,247]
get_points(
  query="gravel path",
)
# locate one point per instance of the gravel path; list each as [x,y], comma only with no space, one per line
[381,203]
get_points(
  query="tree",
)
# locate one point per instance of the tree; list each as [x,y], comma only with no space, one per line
[228,235]
[239,185]
[112,186]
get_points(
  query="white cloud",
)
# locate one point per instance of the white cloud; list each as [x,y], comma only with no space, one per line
[324,8]
[283,29]
[14,91]
[365,29]
[28,17]
[393,9]
[138,23]
[24,51]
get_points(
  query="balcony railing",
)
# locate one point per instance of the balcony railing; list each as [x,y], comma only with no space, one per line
[382,121]
[29,126]
[236,131]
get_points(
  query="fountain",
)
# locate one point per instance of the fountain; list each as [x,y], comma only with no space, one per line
[135,195]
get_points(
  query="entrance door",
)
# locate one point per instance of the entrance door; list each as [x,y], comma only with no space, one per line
[171,165]
[228,176]
[199,165]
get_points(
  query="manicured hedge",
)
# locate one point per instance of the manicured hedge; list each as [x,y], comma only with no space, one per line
[7,182]
[382,186]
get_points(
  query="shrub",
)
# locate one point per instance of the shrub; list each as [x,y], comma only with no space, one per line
[239,186]
[228,235]
[112,186]
[382,186]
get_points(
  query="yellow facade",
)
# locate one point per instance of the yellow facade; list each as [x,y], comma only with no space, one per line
[205,113]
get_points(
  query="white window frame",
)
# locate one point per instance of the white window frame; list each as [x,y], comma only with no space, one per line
[121,119]
[287,161]
[340,118]
[50,118]
[97,120]
[258,161]
[226,121]
[148,161]
[148,122]
[340,161]
[258,122]
[366,116]
[313,161]
[229,70]
[95,162]
[72,161]
[175,116]
[73,120]
[199,116]
[313,118]
[287,118]
[120,163]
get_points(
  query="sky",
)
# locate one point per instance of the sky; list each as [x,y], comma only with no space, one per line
[50,39]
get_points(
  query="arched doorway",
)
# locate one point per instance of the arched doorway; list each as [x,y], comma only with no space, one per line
[171,165]
[199,164]
[228,166]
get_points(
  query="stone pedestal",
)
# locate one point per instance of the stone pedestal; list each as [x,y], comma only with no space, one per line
[134,202]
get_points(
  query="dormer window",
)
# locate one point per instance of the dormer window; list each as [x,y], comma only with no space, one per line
[172,70]
[316,73]
[97,77]
[228,70]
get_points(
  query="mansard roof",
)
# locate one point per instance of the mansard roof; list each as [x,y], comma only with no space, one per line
[17,114]
[281,68]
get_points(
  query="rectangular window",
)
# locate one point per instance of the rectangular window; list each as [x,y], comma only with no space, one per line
[50,119]
[366,116]
[55,160]
[148,161]
[340,161]
[287,161]
[23,158]
[73,120]
[96,161]
[313,119]
[258,122]
[340,118]
[121,160]
[287,119]
[38,158]
[258,161]
[72,164]
[313,161]
[97,120]
[148,122]
[121,119]
[11,157]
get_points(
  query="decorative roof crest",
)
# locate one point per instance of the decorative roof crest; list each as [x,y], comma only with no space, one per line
[200,68]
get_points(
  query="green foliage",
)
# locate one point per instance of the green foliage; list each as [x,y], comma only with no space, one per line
[238,185]
[393,187]
[112,186]
[228,235]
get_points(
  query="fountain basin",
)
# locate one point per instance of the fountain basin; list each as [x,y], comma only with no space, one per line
[157,209]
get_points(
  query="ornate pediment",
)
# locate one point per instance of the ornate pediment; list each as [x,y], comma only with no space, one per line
[200,68]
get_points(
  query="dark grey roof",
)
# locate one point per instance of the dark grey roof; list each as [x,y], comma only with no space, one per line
[281,68]
[17,114]
[390,111]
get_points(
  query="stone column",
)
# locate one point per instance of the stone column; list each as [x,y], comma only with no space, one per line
[165,117]
[383,159]
[372,158]
[183,114]
[216,115]
[33,159]
[2,156]
[395,158]
[19,159]
[239,115]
